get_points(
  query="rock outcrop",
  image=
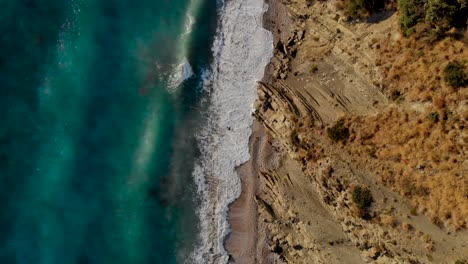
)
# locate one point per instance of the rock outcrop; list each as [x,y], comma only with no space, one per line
[324,70]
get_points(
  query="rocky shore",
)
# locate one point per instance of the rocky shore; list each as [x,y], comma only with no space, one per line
[297,203]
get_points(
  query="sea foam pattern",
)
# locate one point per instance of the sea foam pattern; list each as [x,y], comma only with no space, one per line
[241,50]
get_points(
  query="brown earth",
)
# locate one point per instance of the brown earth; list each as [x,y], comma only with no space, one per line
[383,87]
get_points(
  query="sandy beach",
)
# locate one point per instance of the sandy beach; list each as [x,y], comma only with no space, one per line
[247,241]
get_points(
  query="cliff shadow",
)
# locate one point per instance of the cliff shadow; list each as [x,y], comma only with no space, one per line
[380,16]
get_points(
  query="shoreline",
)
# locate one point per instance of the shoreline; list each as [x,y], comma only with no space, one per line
[247,241]
[242,243]
[241,50]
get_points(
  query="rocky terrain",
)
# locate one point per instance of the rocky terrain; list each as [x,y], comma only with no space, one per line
[369,142]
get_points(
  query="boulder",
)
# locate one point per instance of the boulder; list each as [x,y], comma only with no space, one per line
[276,74]
[300,34]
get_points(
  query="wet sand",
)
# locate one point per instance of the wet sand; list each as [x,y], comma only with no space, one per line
[246,243]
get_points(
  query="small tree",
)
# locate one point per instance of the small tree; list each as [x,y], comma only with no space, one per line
[362,197]
[446,13]
[411,12]
[338,132]
[438,15]
[455,75]
[441,13]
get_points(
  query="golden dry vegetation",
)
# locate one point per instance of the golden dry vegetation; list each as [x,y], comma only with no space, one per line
[421,140]
[421,159]
[414,69]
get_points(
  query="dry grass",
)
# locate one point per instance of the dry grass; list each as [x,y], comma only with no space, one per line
[388,220]
[421,157]
[415,68]
[407,227]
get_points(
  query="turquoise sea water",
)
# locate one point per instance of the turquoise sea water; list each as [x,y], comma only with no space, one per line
[98,115]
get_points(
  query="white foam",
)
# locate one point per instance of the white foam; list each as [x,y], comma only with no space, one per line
[241,50]
[189,23]
[182,72]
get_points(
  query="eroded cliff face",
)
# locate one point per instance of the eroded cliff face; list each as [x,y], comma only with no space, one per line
[325,70]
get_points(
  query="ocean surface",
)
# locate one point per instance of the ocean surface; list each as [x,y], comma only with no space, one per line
[121,124]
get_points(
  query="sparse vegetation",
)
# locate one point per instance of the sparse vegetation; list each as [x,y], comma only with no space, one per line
[430,257]
[362,197]
[313,68]
[434,117]
[338,132]
[414,211]
[404,139]
[407,227]
[455,75]
[427,238]
[397,96]
[372,152]
[459,261]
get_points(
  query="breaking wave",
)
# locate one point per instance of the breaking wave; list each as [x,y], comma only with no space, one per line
[241,50]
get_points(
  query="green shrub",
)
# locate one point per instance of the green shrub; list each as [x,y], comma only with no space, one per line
[438,15]
[411,12]
[440,12]
[362,197]
[455,75]
[338,132]
[434,117]
[446,13]
[397,96]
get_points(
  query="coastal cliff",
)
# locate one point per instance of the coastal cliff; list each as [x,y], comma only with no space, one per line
[359,153]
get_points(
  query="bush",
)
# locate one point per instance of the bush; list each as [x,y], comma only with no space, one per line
[446,13]
[455,75]
[434,117]
[439,15]
[411,12]
[338,132]
[460,261]
[362,197]
[397,96]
